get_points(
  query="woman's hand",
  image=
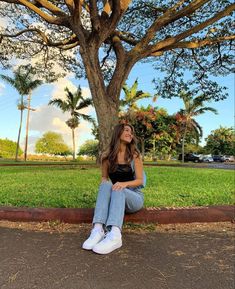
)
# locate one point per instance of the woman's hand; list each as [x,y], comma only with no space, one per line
[118,186]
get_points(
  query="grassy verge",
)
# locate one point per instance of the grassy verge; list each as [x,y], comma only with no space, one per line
[72,186]
[58,162]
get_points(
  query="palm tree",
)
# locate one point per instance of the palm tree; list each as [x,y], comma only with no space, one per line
[132,95]
[193,108]
[24,83]
[72,104]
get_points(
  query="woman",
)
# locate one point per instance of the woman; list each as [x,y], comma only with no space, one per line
[119,191]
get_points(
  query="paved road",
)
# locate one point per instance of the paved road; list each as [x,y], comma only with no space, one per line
[214,165]
[167,259]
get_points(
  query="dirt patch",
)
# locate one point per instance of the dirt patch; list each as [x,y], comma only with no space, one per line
[128,227]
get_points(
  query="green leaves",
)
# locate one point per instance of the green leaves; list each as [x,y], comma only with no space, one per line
[73,103]
[132,95]
[7,148]
[52,143]
[23,79]
[221,141]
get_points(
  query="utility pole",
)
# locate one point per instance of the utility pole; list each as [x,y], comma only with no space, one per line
[27,127]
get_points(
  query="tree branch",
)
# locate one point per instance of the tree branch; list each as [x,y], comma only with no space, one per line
[95,21]
[122,69]
[124,37]
[199,43]
[106,56]
[78,4]
[52,8]
[118,7]
[168,17]
[76,26]
[171,42]
[202,69]
[50,19]
[73,40]
[70,5]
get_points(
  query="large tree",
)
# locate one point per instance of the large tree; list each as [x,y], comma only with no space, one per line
[108,37]
[89,148]
[221,141]
[52,143]
[8,148]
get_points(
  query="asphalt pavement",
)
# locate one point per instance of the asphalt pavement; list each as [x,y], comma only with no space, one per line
[184,257]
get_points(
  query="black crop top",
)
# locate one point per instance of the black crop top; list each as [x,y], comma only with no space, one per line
[123,173]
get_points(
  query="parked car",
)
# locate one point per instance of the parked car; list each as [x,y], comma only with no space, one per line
[207,159]
[229,158]
[218,158]
[190,158]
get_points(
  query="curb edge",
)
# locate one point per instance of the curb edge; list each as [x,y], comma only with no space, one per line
[158,215]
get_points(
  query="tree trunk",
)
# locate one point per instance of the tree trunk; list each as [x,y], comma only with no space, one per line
[27,129]
[142,148]
[183,143]
[182,150]
[73,138]
[19,133]
[106,100]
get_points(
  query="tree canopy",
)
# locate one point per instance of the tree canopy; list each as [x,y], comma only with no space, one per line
[221,141]
[89,148]
[106,38]
[52,143]
[8,148]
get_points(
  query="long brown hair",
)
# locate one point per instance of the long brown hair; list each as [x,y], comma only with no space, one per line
[114,146]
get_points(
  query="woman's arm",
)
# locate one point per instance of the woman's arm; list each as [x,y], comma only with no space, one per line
[138,177]
[104,171]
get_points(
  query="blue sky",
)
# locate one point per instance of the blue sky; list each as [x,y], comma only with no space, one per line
[51,119]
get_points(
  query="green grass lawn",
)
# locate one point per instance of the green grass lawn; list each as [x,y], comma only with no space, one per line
[73,186]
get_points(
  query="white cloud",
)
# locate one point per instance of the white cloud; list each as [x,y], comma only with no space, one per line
[42,119]
[62,83]
[59,86]
[49,118]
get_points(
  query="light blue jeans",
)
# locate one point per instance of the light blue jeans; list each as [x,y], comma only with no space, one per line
[112,205]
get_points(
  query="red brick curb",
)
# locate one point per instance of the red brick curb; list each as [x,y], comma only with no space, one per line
[149,215]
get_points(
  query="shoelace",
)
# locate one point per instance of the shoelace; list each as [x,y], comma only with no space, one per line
[108,236]
[94,232]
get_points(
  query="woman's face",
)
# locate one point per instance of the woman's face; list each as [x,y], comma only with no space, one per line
[127,134]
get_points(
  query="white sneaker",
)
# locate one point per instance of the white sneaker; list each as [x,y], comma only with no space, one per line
[95,237]
[110,243]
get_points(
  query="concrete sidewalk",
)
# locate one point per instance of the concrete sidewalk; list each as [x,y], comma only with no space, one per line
[169,257]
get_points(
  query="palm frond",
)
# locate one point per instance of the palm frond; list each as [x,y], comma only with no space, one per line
[197,128]
[125,88]
[7,79]
[86,117]
[23,80]
[204,109]
[84,103]
[63,105]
